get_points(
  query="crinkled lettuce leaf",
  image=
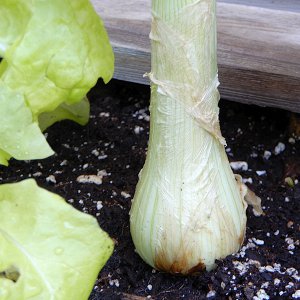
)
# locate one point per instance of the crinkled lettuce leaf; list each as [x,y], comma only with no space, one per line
[48,250]
[53,53]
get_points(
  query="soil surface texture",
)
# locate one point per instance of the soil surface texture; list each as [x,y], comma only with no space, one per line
[114,145]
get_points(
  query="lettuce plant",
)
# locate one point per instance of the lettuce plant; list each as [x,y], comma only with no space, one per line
[49,250]
[53,53]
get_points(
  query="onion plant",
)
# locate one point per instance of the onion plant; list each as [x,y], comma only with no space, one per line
[188,209]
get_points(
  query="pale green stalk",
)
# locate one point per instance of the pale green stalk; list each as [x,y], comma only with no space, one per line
[187,210]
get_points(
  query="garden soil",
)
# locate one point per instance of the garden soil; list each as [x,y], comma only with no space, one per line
[113,146]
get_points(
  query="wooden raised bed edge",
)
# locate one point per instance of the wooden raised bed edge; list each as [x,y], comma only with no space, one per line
[258,48]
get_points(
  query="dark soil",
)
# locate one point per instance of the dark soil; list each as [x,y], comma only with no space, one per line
[115,140]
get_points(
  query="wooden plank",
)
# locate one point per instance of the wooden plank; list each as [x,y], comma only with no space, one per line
[288,5]
[258,48]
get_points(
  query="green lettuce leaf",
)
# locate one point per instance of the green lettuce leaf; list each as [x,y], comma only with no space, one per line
[48,250]
[53,54]
[16,119]
[78,112]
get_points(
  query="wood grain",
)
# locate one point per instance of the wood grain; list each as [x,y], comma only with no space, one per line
[258,47]
[288,5]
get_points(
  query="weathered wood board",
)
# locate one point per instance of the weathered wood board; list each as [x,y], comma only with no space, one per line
[258,47]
